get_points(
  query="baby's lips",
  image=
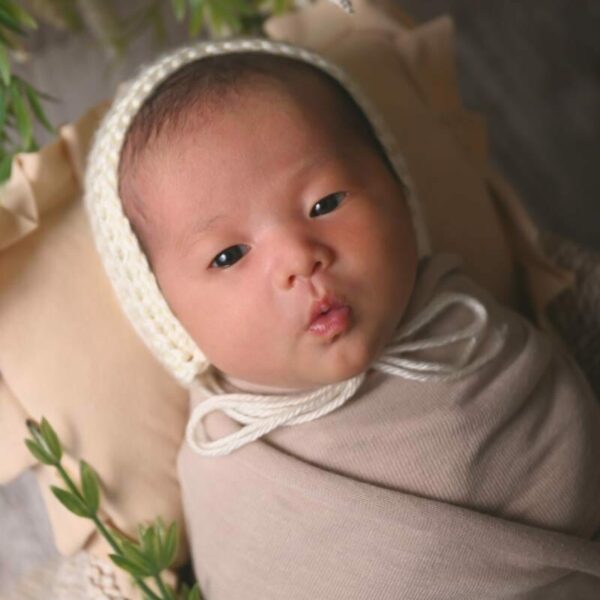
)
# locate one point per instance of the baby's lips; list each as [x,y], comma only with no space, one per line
[332,323]
[324,304]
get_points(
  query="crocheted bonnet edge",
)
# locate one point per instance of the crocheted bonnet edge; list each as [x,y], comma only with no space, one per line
[124,261]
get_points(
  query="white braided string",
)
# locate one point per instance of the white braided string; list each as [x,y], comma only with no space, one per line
[121,254]
[261,414]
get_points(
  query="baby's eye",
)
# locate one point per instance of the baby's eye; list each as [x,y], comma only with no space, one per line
[327,204]
[229,256]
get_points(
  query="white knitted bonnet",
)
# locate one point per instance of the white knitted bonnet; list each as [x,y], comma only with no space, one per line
[118,246]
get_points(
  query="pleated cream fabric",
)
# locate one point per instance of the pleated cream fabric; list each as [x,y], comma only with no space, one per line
[486,486]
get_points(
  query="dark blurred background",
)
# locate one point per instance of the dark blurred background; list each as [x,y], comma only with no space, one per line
[533,70]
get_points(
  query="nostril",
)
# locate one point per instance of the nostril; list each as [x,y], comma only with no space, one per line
[307,269]
[318,265]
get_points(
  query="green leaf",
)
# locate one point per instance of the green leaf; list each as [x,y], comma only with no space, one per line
[137,557]
[127,565]
[5,170]
[4,65]
[51,439]
[10,22]
[37,109]
[169,546]
[178,9]
[34,430]
[194,593]
[228,15]
[4,102]
[196,17]
[24,125]
[38,452]
[239,8]
[215,16]
[71,502]
[169,592]
[22,16]
[281,6]
[119,536]
[157,552]
[89,486]
[149,545]
[6,40]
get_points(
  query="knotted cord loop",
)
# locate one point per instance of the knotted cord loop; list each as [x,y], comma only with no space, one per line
[261,414]
[394,363]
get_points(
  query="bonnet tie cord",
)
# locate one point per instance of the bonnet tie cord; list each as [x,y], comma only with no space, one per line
[260,414]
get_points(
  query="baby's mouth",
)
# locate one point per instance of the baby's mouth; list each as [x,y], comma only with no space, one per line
[329,316]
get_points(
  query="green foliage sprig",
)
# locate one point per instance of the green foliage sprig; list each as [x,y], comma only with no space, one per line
[229,17]
[144,558]
[21,104]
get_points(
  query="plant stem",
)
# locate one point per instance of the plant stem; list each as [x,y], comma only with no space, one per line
[68,481]
[106,533]
[162,586]
[109,537]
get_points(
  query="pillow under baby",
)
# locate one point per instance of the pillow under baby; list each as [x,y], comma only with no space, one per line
[68,353]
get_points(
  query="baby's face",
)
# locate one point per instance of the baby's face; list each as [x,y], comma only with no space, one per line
[262,213]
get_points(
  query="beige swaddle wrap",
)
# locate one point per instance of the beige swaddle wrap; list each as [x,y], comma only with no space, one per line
[483,487]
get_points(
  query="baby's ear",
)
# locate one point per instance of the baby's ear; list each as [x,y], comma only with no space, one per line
[68,353]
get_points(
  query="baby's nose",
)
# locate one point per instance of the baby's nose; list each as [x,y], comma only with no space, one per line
[300,257]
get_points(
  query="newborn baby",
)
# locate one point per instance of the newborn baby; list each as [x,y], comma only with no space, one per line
[366,421]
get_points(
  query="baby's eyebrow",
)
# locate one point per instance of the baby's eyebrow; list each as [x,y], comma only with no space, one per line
[202,225]
[197,227]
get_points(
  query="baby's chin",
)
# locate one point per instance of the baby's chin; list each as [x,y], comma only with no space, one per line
[315,364]
[326,370]
[352,356]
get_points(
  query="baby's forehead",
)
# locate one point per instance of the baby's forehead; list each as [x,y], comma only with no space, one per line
[197,93]
[243,131]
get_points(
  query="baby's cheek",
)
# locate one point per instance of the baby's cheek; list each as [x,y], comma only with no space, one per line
[355,358]
[394,271]
[233,341]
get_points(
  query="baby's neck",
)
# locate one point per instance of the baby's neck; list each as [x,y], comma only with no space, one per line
[235,384]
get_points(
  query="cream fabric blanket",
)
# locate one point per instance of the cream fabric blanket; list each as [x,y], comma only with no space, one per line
[484,487]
